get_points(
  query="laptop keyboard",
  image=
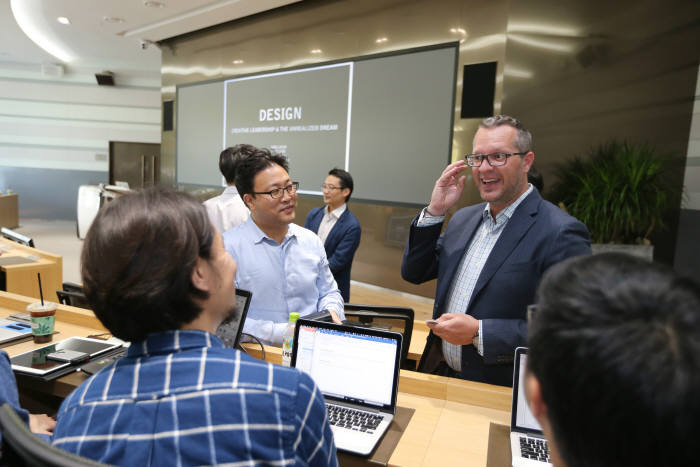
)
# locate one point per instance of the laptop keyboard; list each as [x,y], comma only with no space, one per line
[353,419]
[534,448]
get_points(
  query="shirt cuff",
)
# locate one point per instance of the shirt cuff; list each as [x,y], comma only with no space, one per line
[424,221]
[481,340]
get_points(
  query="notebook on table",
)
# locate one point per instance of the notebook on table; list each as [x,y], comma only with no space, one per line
[528,446]
[357,370]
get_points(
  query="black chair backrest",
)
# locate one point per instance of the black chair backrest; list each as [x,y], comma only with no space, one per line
[395,318]
[72,287]
[21,447]
[73,298]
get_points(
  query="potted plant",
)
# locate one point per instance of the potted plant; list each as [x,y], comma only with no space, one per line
[619,191]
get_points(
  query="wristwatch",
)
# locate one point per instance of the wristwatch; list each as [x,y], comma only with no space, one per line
[475,340]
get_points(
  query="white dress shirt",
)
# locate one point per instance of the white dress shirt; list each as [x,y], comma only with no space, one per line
[329,220]
[226,210]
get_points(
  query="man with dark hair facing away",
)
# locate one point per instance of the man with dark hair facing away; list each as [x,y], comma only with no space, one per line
[156,273]
[284,265]
[613,370]
[337,227]
[228,209]
[490,258]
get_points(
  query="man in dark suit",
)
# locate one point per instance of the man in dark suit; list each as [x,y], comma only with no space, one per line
[337,227]
[491,256]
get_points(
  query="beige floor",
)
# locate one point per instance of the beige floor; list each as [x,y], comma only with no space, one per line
[60,237]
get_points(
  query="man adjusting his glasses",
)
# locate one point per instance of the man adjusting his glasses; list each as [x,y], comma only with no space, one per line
[490,258]
[283,265]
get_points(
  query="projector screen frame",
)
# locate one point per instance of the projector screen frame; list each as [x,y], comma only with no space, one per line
[330,63]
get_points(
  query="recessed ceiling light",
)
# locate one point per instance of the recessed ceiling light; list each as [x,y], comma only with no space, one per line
[316,51]
[237,62]
[458,31]
[63,20]
[153,4]
[112,19]
[381,40]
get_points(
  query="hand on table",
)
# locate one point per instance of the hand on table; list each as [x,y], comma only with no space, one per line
[41,423]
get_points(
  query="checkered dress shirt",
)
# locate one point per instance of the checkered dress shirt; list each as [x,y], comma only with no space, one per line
[182,398]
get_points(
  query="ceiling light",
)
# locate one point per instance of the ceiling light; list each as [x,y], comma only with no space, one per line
[316,51]
[63,20]
[153,4]
[112,20]
[458,31]
[38,33]
[381,40]
[237,62]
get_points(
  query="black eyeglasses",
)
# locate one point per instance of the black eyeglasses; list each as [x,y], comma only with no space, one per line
[278,192]
[496,159]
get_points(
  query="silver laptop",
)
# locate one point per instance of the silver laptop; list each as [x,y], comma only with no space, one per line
[528,446]
[14,330]
[357,370]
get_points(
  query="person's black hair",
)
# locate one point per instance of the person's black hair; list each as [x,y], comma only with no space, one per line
[615,345]
[138,258]
[345,180]
[229,158]
[255,163]
[535,178]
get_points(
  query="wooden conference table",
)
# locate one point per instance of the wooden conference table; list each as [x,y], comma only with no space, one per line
[20,265]
[450,425]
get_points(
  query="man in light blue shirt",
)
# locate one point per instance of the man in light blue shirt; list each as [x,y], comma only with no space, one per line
[283,265]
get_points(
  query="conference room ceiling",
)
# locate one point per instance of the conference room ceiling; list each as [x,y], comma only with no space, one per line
[115,35]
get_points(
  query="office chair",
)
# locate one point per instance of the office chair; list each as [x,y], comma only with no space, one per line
[72,287]
[73,299]
[393,318]
[21,447]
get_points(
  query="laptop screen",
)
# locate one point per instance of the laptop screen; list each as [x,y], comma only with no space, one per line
[522,418]
[348,363]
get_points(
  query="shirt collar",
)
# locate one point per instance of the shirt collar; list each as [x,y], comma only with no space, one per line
[258,235]
[337,212]
[507,213]
[231,190]
[172,341]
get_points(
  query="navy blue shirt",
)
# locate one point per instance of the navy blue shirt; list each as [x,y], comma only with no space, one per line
[182,398]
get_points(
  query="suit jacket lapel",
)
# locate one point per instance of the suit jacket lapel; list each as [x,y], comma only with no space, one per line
[518,225]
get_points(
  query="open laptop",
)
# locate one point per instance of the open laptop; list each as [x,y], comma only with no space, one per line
[357,370]
[14,330]
[230,331]
[527,444]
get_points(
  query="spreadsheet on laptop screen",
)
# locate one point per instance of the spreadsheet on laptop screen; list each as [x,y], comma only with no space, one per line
[348,365]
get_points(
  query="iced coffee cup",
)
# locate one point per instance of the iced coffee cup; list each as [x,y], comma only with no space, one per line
[43,318]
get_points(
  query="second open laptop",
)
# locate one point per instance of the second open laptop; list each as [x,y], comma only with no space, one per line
[230,330]
[528,446]
[357,370]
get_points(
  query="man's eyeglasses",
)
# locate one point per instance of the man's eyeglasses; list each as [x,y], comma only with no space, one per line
[278,192]
[330,187]
[496,159]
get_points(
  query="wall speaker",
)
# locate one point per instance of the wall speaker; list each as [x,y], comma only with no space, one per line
[106,78]
[168,116]
[478,89]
